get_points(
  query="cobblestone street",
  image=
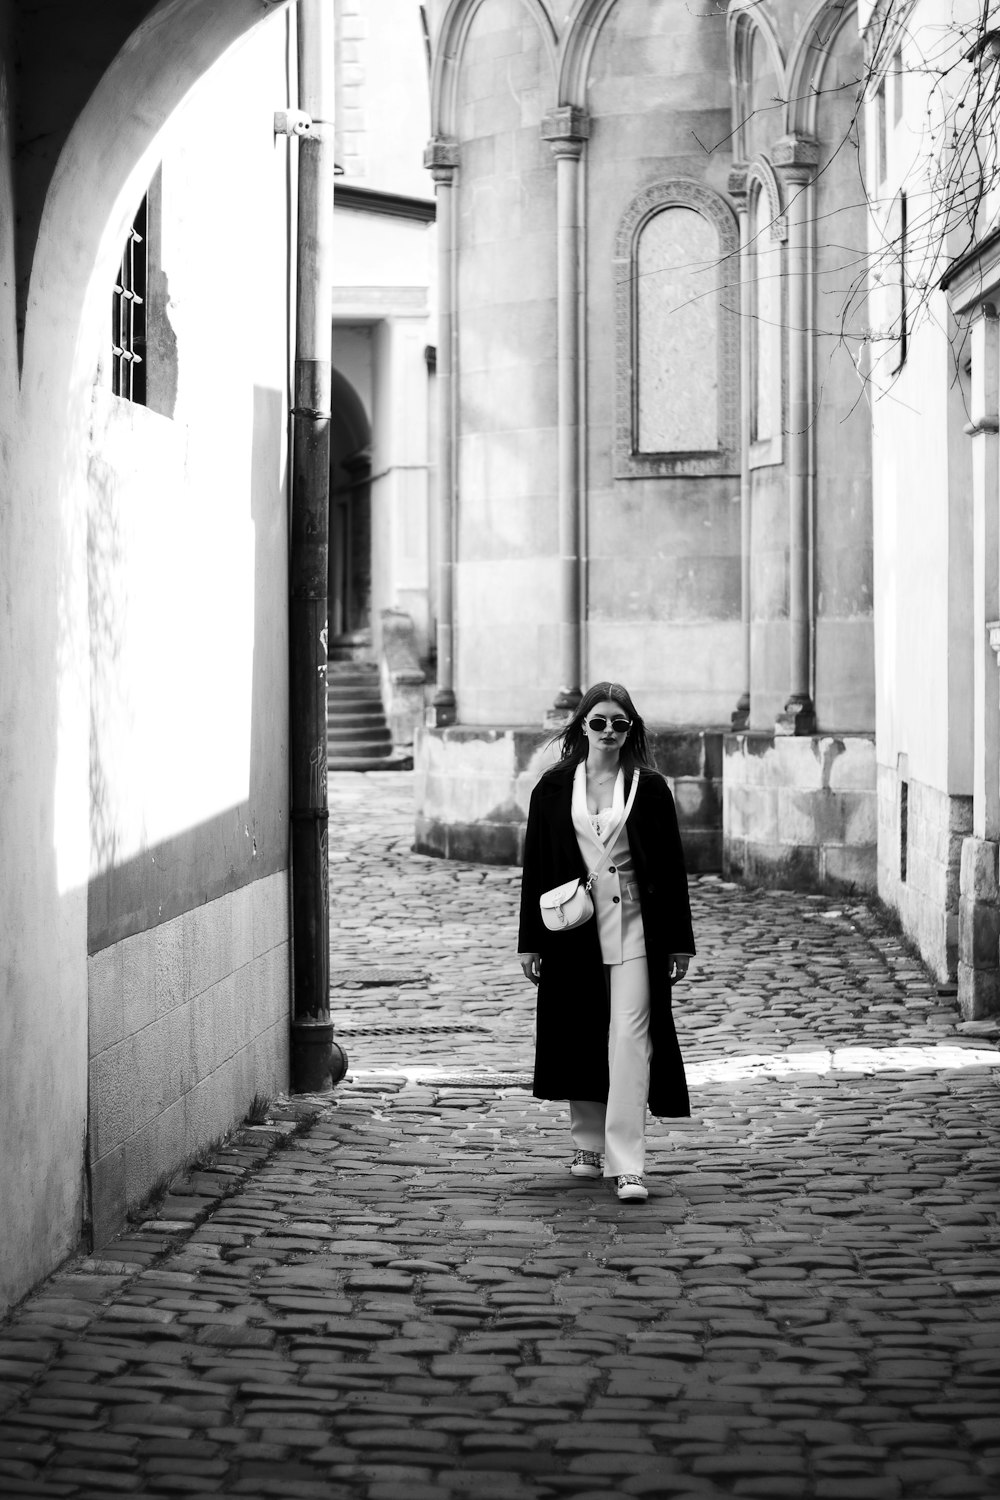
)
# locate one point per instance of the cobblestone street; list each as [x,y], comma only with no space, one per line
[399,1293]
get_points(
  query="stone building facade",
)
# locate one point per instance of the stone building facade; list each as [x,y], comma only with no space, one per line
[655,455]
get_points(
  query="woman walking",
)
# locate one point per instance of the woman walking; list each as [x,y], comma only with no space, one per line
[605,1036]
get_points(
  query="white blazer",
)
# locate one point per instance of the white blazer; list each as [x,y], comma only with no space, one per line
[615,892]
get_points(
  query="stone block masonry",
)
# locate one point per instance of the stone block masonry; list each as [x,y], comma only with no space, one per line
[921,833]
[979,930]
[800,812]
[188,1021]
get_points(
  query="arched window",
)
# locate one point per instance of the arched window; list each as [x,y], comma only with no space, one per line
[766,321]
[677,329]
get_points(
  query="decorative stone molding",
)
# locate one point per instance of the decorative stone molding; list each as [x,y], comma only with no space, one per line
[887,21]
[737,184]
[629,462]
[762,174]
[441,157]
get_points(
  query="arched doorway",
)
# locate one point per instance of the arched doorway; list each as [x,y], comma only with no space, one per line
[350,564]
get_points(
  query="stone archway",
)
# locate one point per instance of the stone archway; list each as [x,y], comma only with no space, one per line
[350,516]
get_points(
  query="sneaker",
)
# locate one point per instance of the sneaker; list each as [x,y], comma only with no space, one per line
[632,1189]
[586,1164]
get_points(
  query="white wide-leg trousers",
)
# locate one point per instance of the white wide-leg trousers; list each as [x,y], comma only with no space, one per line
[617,1130]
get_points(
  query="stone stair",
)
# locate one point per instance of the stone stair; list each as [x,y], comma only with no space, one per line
[357,735]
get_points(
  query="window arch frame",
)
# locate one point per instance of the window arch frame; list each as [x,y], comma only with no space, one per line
[762,183]
[724,459]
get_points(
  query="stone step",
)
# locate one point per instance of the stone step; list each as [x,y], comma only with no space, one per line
[370,734]
[354,704]
[352,677]
[397,761]
[337,719]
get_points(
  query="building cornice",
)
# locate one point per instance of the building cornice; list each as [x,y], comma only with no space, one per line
[392,205]
[975,275]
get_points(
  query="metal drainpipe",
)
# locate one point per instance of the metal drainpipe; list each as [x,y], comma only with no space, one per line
[316,1061]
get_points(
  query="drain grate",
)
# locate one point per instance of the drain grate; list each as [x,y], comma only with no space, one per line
[406,1028]
[366,977]
[453,1080]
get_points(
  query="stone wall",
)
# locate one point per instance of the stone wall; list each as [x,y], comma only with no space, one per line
[188,1022]
[800,812]
[473,787]
[979,930]
[921,832]
[663,527]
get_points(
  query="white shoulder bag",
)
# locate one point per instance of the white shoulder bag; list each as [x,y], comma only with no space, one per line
[571,904]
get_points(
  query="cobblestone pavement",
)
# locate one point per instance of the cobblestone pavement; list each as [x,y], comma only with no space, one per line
[400,1293]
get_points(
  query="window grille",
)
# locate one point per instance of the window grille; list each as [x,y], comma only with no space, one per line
[128,315]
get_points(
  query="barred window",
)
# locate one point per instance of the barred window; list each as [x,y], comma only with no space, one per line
[128,315]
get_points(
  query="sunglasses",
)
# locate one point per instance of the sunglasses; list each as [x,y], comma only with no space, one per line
[599,723]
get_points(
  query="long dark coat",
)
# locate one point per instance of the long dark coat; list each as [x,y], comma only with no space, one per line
[571,1047]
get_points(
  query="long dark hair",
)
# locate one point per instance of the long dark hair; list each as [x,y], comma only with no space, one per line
[635,751]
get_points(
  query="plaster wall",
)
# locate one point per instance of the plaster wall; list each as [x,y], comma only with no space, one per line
[43,820]
[383,118]
[922,489]
[506,576]
[663,572]
[187,544]
[47,453]
[376,250]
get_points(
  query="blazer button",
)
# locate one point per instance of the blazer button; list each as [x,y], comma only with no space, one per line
[612,870]
[616,899]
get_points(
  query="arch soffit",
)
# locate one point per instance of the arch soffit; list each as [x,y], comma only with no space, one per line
[746,17]
[449,47]
[809,59]
[680,192]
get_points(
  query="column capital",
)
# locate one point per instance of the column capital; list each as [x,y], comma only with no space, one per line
[566,129]
[441,155]
[736,184]
[795,157]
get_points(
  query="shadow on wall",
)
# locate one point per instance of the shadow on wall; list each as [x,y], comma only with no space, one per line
[188,937]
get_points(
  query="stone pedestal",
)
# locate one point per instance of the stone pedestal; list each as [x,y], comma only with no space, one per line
[979,930]
[473,785]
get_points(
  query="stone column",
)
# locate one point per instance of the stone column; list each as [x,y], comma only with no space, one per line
[566,129]
[795,158]
[979,897]
[441,160]
[738,193]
